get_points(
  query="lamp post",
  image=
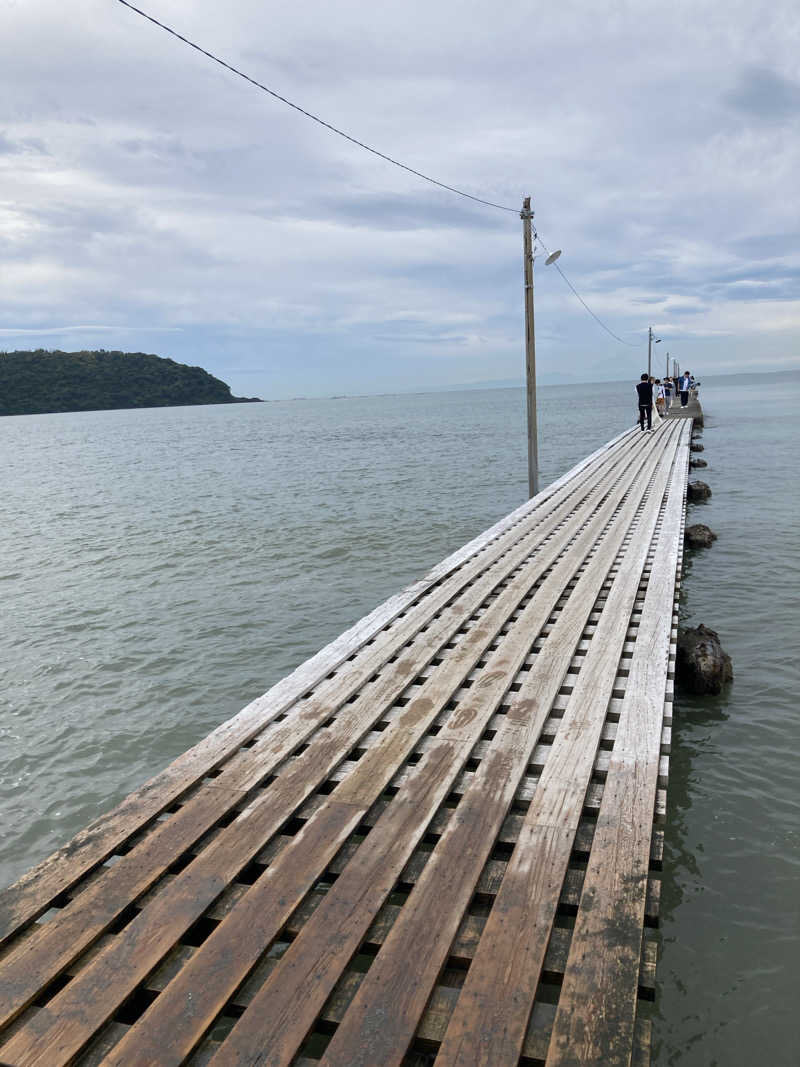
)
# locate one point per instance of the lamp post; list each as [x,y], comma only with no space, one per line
[650,342]
[530,345]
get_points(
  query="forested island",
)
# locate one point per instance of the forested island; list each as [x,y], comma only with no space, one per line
[35,383]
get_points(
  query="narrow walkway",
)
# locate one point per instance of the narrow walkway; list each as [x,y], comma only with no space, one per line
[691,411]
[436,841]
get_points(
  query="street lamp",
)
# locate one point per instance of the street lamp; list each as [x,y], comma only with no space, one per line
[650,342]
[530,345]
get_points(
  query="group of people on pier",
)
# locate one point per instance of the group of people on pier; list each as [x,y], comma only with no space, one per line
[652,390]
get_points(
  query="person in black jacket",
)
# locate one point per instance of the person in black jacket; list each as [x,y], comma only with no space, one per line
[645,390]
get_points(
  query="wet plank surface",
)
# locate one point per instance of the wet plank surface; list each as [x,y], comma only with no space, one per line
[436,841]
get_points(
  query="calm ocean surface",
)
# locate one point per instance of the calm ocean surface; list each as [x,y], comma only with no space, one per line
[161,568]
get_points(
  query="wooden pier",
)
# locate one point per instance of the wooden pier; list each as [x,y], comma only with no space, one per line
[693,410]
[437,841]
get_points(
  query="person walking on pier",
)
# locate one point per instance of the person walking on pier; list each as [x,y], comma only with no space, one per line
[660,397]
[686,382]
[645,390]
[667,394]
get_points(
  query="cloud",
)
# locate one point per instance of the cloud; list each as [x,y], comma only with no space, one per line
[9,147]
[13,331]
[765,94]
[144,186]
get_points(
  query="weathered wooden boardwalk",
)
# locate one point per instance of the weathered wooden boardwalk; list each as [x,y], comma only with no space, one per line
[436,841]
[693,410]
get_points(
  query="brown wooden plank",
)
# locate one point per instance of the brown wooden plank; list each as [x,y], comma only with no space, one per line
[64,1034]
[328,939]
[63,1026]
[491,1019]
[353,791]
[34,892]
[162,1034]
[595,1020]
[202,878]
[500,766]
[55,945]
[427,925]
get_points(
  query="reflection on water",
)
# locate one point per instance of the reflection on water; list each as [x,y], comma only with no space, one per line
[693,735]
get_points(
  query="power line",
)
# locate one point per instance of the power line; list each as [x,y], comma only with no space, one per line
[366,147]
[631,344]
[314,118]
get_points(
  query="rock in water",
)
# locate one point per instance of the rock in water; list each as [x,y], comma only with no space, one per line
[697,463]
[702,666]
[699,536]
[696,447]
[698,491]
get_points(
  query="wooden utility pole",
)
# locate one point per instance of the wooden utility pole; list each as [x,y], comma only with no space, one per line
[649,349]
[530,349]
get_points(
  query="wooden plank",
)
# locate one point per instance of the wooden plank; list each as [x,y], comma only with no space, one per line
[194,890]
[426,927]
[338,729]
[54,946]
[36,890]
[596,1012]
[491,1018]
[323,947]
[257,757]
[159,1025]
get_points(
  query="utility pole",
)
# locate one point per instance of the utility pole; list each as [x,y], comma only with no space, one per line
[667,368]
[530,349]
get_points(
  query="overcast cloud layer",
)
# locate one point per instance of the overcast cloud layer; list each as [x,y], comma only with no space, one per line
[151,201]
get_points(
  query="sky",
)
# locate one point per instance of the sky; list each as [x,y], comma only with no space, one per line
[152,201]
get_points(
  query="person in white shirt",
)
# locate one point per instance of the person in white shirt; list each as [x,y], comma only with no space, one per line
[685,385]
[660,404]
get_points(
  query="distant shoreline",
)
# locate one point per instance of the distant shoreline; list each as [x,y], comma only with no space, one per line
[778,375]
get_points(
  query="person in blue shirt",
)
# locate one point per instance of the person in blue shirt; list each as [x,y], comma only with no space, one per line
[685,384]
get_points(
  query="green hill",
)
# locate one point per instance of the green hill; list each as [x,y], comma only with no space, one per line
[32,383]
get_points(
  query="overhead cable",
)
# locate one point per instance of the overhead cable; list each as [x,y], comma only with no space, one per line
[314,118]
[366,147]
[631,344]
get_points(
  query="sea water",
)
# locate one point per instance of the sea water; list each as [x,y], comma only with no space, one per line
[160,568]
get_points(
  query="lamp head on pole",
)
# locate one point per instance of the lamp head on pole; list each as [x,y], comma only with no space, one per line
[552,257]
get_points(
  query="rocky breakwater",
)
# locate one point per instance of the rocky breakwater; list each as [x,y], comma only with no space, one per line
[702,664]
[699,536]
